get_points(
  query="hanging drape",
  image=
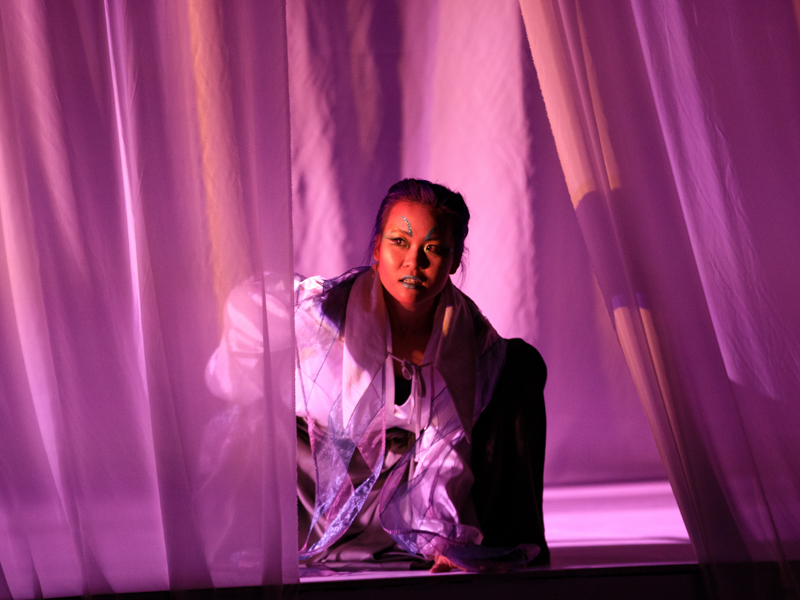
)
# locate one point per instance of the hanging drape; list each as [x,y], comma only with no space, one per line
[677,128]
[144,171]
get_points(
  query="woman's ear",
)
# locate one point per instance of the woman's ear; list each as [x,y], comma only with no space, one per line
[376,248]
[456,261]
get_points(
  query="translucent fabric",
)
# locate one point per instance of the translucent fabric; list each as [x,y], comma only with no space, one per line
[144,171]
[677,130]
[144,174]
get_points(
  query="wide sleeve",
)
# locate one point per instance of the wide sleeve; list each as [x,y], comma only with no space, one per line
[235,371]
[508,449]
[425,504]
[432,512]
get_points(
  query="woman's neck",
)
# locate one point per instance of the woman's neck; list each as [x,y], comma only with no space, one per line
[411,329]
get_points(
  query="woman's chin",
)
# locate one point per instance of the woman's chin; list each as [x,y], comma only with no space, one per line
[412,299]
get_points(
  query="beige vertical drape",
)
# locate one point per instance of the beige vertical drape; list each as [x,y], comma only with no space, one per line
[675,135]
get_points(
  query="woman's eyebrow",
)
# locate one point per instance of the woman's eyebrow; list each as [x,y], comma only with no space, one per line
[430,233]
[396,230]
[409,226]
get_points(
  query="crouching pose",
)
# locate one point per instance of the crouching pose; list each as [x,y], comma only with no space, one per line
[420,430]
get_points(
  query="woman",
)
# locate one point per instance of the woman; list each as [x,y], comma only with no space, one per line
[394,366]
[409,364]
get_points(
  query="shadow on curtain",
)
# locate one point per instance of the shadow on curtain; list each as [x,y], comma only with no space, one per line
[677,130]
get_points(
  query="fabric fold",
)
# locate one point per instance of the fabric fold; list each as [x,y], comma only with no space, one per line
[342,351]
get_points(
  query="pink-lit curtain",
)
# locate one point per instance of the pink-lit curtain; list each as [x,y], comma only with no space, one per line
[446,90]
[678,130]
[144,171]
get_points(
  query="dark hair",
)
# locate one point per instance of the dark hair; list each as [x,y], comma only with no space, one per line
[446,202]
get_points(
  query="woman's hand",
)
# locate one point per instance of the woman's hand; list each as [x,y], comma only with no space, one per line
[442,564]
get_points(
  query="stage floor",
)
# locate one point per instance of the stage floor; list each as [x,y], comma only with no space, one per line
[606,541]
[613,514]
[615,524]
[595,526]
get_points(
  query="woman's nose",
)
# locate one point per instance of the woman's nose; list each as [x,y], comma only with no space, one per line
[416,257]
[410,258]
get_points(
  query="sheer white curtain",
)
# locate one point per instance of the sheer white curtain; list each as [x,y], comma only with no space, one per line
[677,128]
[144,171]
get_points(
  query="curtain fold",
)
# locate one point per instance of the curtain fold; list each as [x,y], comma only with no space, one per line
[677,142]
[144,172]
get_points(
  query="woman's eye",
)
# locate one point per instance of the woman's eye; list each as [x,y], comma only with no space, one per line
[397,241]
[435,249]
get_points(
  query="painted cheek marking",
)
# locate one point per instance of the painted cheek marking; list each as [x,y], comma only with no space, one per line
[409,226]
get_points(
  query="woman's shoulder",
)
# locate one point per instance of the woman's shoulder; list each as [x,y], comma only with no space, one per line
[306,288]
[327,298]
[485,334]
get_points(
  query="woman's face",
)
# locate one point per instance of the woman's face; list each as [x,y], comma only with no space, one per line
[414,255]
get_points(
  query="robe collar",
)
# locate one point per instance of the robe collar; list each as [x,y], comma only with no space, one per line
[365,347]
